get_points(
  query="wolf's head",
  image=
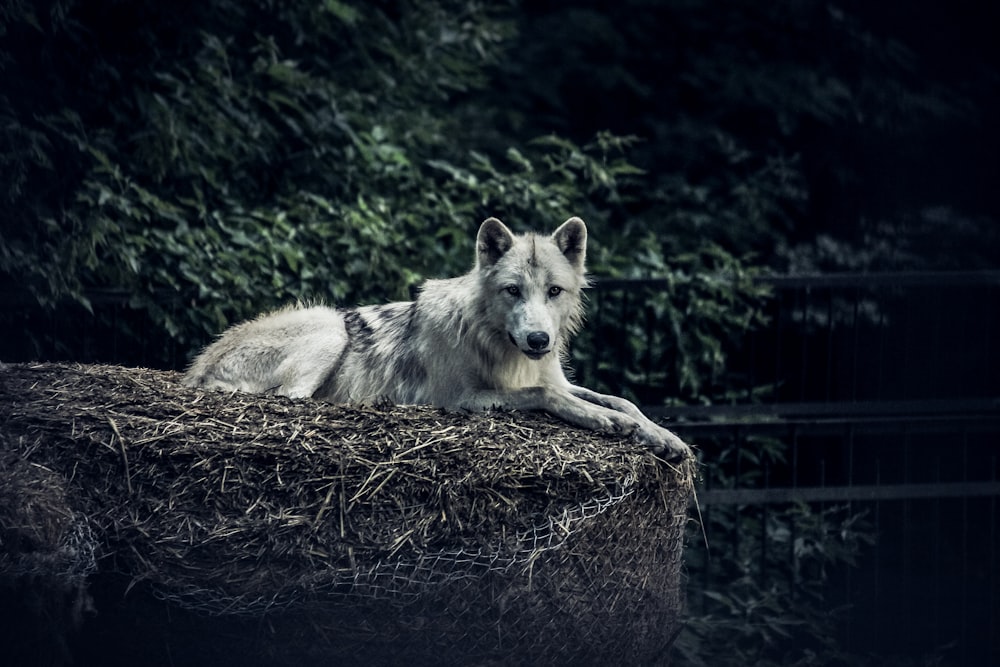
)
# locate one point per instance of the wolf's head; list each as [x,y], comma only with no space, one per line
[533,283]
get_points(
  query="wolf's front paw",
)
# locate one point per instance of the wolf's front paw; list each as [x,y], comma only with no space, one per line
[665,444]
[618,424]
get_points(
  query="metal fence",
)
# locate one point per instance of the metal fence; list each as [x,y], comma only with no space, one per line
[883,403]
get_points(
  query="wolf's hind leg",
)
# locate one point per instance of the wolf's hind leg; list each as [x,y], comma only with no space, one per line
[288,352]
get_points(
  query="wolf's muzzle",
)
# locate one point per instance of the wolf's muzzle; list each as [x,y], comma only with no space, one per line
[538,342]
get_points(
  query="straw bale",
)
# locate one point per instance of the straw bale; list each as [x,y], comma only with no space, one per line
[236,528]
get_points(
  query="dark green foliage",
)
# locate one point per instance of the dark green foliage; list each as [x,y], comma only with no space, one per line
[233,161]
[668,342]
[243,156]
[232,158]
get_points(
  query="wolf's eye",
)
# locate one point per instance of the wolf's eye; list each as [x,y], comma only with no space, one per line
[555,290]
[513,290]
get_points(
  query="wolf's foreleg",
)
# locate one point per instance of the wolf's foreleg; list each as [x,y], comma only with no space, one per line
[659,438]
[556,402]
[608,401]
[586,414]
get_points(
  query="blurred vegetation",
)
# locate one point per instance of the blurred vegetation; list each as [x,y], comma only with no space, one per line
[235,156]
[215,159]
[239,155]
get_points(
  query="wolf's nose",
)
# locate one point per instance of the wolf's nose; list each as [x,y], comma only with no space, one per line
[538,340]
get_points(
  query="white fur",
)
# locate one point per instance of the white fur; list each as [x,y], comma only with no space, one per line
[495,337]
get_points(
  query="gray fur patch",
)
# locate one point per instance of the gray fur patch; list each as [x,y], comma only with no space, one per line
[360,334]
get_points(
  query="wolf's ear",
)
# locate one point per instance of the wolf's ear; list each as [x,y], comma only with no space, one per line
[571,238]
[493,241]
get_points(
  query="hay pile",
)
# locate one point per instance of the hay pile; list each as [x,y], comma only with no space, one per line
[262,530]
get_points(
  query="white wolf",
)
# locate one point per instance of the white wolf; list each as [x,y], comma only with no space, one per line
[493,338]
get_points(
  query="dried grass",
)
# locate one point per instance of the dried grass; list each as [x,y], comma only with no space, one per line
[376,532]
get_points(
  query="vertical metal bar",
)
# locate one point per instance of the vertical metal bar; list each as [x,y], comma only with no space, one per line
[936,565]
[855,344]
[993,634]
[936,370]
[778,346]
[830,327]
[706,572]
[848,588]
[988,352]
[964,550]
[851,429]
[906,609]
[793,533]
[763,528]
[906,365]
[737,484]
[804,361]
[883,329]
[877,583]
[752,366]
